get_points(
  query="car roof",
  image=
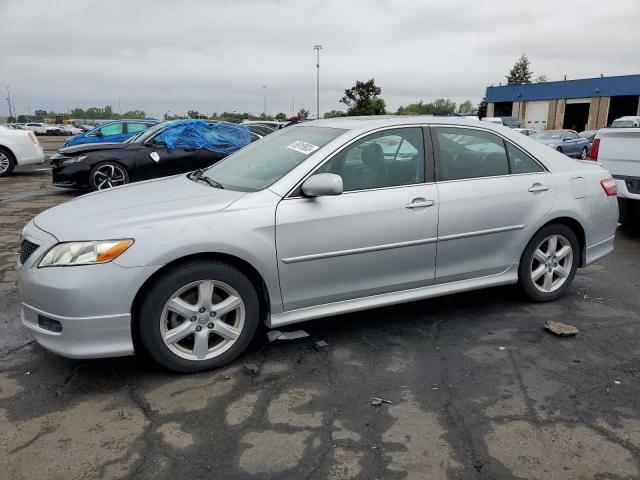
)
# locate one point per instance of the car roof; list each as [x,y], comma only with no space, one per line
[380,121]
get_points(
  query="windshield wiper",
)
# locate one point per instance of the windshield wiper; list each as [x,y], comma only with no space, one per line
[199,175]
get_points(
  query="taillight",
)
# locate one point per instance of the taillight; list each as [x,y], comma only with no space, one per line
[33,138]
[609,186]
[594,149]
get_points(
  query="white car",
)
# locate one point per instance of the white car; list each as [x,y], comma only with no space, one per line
[626,122]
[69,129]
[18,147]
[41,128]
[496,120]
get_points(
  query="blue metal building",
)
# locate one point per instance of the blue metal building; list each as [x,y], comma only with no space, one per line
[583,104]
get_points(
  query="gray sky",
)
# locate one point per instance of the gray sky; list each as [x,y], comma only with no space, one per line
[213,56]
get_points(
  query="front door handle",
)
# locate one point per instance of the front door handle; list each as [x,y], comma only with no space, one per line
[420,203]
[538,187]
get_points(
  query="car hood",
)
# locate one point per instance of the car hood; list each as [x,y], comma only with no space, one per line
[90,147]
[122,211]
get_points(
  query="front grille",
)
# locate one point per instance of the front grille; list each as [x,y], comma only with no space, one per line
[26,250]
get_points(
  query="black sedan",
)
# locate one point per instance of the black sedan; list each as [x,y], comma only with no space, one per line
[165,149]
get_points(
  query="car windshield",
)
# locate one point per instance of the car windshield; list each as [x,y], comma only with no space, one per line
[149,132]
[262,163]
[548,136]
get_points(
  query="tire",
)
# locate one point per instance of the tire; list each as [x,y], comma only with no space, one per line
[537,258]
[170,338]
[7,162]
[559,149]
[629,213]
[105,175]
[584,154]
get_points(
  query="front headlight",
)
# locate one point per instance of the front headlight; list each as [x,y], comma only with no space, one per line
[74,159]
[84,253]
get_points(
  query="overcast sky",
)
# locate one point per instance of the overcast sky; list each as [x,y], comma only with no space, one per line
[213,56]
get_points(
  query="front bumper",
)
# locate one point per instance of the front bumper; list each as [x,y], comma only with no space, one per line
[90,305]
[70,175]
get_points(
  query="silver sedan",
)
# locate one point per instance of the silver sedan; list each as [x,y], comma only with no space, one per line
[318,219]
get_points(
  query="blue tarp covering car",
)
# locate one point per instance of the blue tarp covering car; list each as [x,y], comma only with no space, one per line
[219,137]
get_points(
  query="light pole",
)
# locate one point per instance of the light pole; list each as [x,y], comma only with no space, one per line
[317,48]
[264,94]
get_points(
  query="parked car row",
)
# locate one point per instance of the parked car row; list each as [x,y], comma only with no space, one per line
[316,219]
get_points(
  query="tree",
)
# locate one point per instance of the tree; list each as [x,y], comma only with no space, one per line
[134,114]
[466,107]
[334,114]
[542,78]
[281,116]
[443,107]
[482,108]
[302,114]
[364,99]
[520,73]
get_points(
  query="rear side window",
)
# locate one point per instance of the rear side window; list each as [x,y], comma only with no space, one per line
[135,127]
[468,153]
[113,129]
[570,136]
[520,162]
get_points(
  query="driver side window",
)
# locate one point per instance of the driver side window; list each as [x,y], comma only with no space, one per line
[383,159]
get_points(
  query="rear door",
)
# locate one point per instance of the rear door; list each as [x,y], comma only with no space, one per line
[570,144]
[492,194]
[113,132]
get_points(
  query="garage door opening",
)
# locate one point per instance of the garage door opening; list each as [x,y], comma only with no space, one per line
[576,116]
[502,109]
[622,106]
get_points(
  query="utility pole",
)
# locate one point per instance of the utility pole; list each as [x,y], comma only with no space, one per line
[264,94]
[9,102]
[317,48]
[293,107]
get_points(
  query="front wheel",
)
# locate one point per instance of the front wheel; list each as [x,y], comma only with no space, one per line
[199,315]
[549,263]
[107,175]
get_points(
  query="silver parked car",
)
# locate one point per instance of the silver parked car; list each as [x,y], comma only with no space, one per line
[317,219]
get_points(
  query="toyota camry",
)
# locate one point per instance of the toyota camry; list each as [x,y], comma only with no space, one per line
[318,219]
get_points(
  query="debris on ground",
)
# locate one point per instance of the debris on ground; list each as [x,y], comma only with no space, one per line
[617,382]
[320,345]
[251,369]
[501,348]
[377,401]
[560,329]
[278,335]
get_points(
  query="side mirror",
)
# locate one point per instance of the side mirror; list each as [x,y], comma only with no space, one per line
[322,184]
[154,156]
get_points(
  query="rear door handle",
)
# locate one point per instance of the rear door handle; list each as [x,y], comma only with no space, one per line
[538,187]
[420,204]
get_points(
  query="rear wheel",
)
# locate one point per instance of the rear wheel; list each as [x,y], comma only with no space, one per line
[198,316]
[549,263]
[107,175]
[7,162]
[583,154]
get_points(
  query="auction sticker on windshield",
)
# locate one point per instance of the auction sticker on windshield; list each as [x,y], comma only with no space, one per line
[303,147]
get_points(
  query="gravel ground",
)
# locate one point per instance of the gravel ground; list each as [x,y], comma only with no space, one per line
[476,389]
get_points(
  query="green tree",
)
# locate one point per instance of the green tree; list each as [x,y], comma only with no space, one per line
[443,107]
[364,99]
[466,107]
[334,114]
[134,114]
[482,108]
[281,116]
[520,72]
[542,78]
[303,114]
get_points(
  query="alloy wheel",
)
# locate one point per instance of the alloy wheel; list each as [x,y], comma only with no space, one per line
[107,176]
[202,320]
[4,163]
[551,263]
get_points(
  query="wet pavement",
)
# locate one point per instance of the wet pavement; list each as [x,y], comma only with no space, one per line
[476,389]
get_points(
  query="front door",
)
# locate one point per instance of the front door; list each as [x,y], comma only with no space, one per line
[377,237]
[492,196]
